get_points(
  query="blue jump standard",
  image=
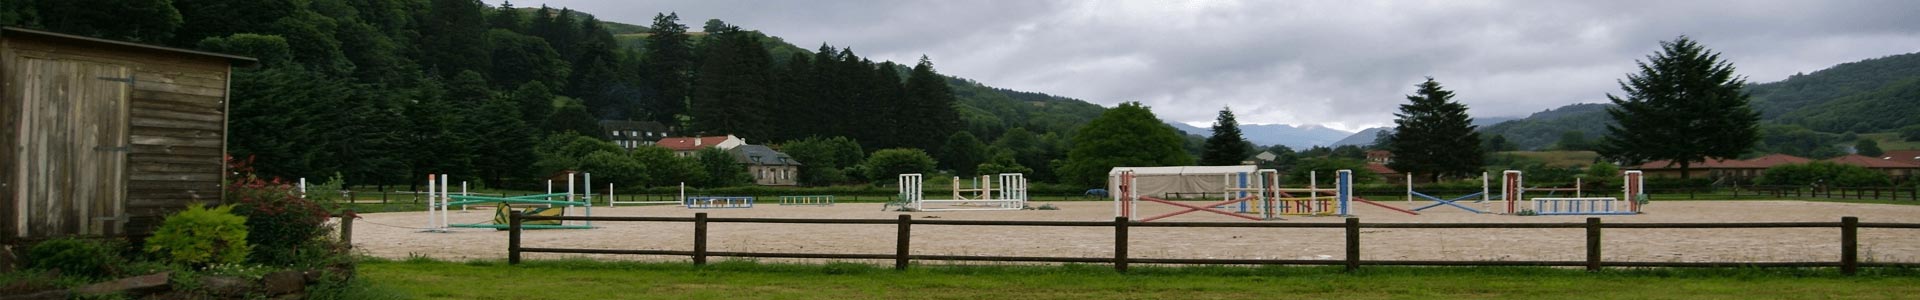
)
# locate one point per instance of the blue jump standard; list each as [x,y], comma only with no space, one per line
[1438,202]
[718,202]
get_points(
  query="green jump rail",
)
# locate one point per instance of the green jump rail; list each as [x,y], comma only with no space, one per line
[1849,262]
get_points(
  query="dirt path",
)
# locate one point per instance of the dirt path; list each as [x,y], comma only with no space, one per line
[381,234]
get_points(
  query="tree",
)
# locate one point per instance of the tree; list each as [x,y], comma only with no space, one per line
[572,116]
[519,59]
[661,168]
[928,113]
[886,165]
[1868,147]
[1128,135]
[1910,133]
[1434,136]
[1685,106]
[453,37]
[150,21]
[824,161]
[721,169]
[732,85]
[963,154]
[535,101]
[1226,147]
[506,17]
[667,69]
[1498,143]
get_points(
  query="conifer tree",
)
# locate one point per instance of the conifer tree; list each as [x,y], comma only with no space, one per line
[1434,136]
[1226,147]
[1684,106]
[930,104]
[667,69]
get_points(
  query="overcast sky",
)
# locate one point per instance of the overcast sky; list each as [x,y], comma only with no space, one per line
[1341,64]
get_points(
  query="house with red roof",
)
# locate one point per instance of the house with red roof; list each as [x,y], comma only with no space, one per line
[1719,168]
[1896,169]
[1912,156]
[686,146]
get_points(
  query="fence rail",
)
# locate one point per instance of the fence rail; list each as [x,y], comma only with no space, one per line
[1849,262]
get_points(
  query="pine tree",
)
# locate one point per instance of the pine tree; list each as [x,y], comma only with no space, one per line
[595,71]
[732,85]
[667,69]
[1685,106]
[930,113]
[453,37]
[1434,135]
[506,17]
[1226,147]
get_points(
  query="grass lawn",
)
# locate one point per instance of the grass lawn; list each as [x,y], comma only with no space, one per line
[1889,141]
[577,279]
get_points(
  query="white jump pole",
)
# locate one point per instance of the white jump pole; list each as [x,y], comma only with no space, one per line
[563,209]
[431,184]
[683,193]
[463,192]
[1409,187]
[446,199]
[303,187]
[610,195]
[1576,187]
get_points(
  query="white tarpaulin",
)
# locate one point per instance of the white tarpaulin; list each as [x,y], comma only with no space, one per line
[1159,182]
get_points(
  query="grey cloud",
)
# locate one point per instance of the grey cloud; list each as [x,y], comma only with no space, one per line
[1343,64]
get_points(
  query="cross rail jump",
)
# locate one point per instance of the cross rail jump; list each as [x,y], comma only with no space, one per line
[1437,201]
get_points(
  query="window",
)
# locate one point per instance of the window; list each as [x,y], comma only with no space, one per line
[615,133]
[633,133]
[649,134]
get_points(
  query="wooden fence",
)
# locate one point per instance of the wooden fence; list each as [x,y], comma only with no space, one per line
[1849,262]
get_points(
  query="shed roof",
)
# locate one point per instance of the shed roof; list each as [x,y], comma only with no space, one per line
[1903,155]
[17,31]
[1873,162]
[1185,170]
[690,144]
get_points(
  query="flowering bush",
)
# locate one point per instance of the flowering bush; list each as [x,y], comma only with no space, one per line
[281,223]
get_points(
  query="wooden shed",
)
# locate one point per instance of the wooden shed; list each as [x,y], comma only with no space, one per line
[106,137]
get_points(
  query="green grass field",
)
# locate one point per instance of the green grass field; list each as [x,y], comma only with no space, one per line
[1890,141]
[575,279]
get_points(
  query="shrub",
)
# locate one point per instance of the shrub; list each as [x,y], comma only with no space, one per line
[199,236]
[76,257]
[885,166]
[279,220]
[1821,172]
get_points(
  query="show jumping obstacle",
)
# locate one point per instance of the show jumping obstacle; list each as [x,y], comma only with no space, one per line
[1259,197]
[1012,194]
[1633,191]
[440,200]
[1437,201]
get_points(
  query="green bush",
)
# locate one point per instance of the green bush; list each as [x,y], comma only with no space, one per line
[279,221]
[1821,172]
[200,236]
[76,257]
[885,166]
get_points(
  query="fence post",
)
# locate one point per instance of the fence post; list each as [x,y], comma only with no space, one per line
[346,227]
[700,239]
[1120,244]
[513,237]
[1593,244]
[1849,245]
[902,242]
[1353,244]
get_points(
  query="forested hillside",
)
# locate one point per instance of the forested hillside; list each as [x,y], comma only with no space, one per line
[386,91]
[1807,114]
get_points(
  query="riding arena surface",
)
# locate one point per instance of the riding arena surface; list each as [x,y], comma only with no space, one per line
[389,234]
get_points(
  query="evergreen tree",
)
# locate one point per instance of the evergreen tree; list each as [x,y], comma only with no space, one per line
[535,103]
[721,169]
[1126,136]
[503,141]
[1685,106]
[596,69]
[519,59]
[930,113]
[1434,136]
[506,17]
[667,69]
[732,85]
[453,37]
[151,21]
[1226,147]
